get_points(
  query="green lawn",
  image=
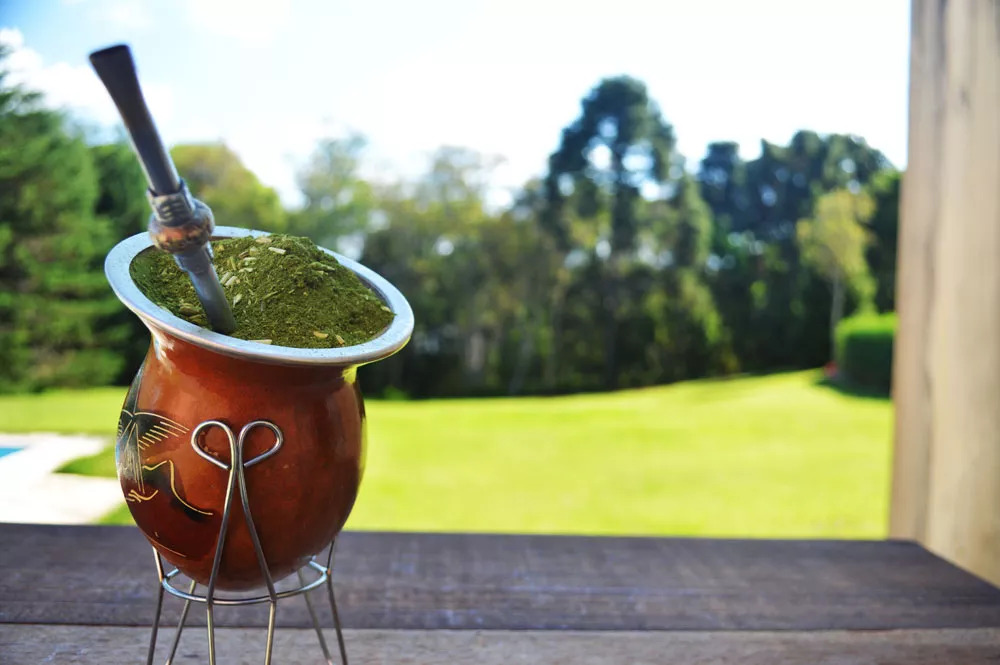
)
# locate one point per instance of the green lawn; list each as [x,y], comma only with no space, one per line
[93,411]
[775,456]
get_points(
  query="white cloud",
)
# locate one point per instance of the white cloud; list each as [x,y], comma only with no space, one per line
[255,22]
[75,88]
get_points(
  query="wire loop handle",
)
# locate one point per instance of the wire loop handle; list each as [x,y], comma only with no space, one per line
[279,440]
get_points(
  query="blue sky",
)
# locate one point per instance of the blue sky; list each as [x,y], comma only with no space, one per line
[270,78]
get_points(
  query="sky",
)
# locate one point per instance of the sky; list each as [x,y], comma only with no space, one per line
[270,78]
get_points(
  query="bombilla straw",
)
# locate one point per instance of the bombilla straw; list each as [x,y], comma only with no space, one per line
[116,70]
[180,224]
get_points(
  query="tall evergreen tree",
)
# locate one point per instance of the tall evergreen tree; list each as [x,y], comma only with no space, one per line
[121,203]
[618,147]
[54,300]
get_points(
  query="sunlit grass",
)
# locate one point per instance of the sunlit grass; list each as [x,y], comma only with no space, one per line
[98,464]
[93,411]
[774,456]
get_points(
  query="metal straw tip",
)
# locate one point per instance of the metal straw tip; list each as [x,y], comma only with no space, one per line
[197,263]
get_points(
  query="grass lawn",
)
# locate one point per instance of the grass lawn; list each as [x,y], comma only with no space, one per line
[93,411]
[771,456]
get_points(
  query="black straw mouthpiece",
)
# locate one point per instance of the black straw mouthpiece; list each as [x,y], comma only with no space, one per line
[115,67]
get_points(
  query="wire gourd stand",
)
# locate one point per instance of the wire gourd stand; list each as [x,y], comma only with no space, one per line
[237,483]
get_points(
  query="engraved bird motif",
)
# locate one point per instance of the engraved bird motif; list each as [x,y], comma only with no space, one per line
[138,431]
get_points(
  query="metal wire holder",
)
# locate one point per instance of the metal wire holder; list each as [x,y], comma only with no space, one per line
[237,483]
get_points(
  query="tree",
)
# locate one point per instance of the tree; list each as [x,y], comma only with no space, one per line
[834,241]
[439,244]
[757,205]
[215,175]
[535,277]
[54,300]
[338,202]
[687,335]
[121,188]
[691,227]
[722,177]
[121,203]
[884,225]
[783,183]
[618,147]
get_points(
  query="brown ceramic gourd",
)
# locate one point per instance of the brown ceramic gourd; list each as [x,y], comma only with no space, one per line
[301,496]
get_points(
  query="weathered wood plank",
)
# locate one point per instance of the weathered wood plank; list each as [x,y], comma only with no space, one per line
[946,477]
[105,575]
[79,645]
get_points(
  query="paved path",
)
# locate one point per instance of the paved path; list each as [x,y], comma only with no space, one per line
[30,491]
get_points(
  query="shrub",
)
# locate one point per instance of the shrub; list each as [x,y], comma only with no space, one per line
[864,349]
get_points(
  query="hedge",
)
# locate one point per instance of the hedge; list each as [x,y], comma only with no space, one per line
[864,350]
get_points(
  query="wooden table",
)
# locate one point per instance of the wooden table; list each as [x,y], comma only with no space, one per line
[76,594]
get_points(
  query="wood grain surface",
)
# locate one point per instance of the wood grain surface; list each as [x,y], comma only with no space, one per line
[85,645]
[105,576]
[946,476]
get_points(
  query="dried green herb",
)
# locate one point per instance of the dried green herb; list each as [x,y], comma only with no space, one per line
[282,289]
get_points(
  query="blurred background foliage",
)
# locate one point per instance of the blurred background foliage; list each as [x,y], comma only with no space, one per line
[623,265]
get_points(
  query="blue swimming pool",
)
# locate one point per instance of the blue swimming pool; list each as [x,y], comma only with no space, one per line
[8,451]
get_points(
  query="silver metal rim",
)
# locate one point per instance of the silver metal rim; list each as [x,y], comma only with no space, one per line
[392,339]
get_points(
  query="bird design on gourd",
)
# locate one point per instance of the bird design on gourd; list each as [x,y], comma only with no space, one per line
[139,431]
